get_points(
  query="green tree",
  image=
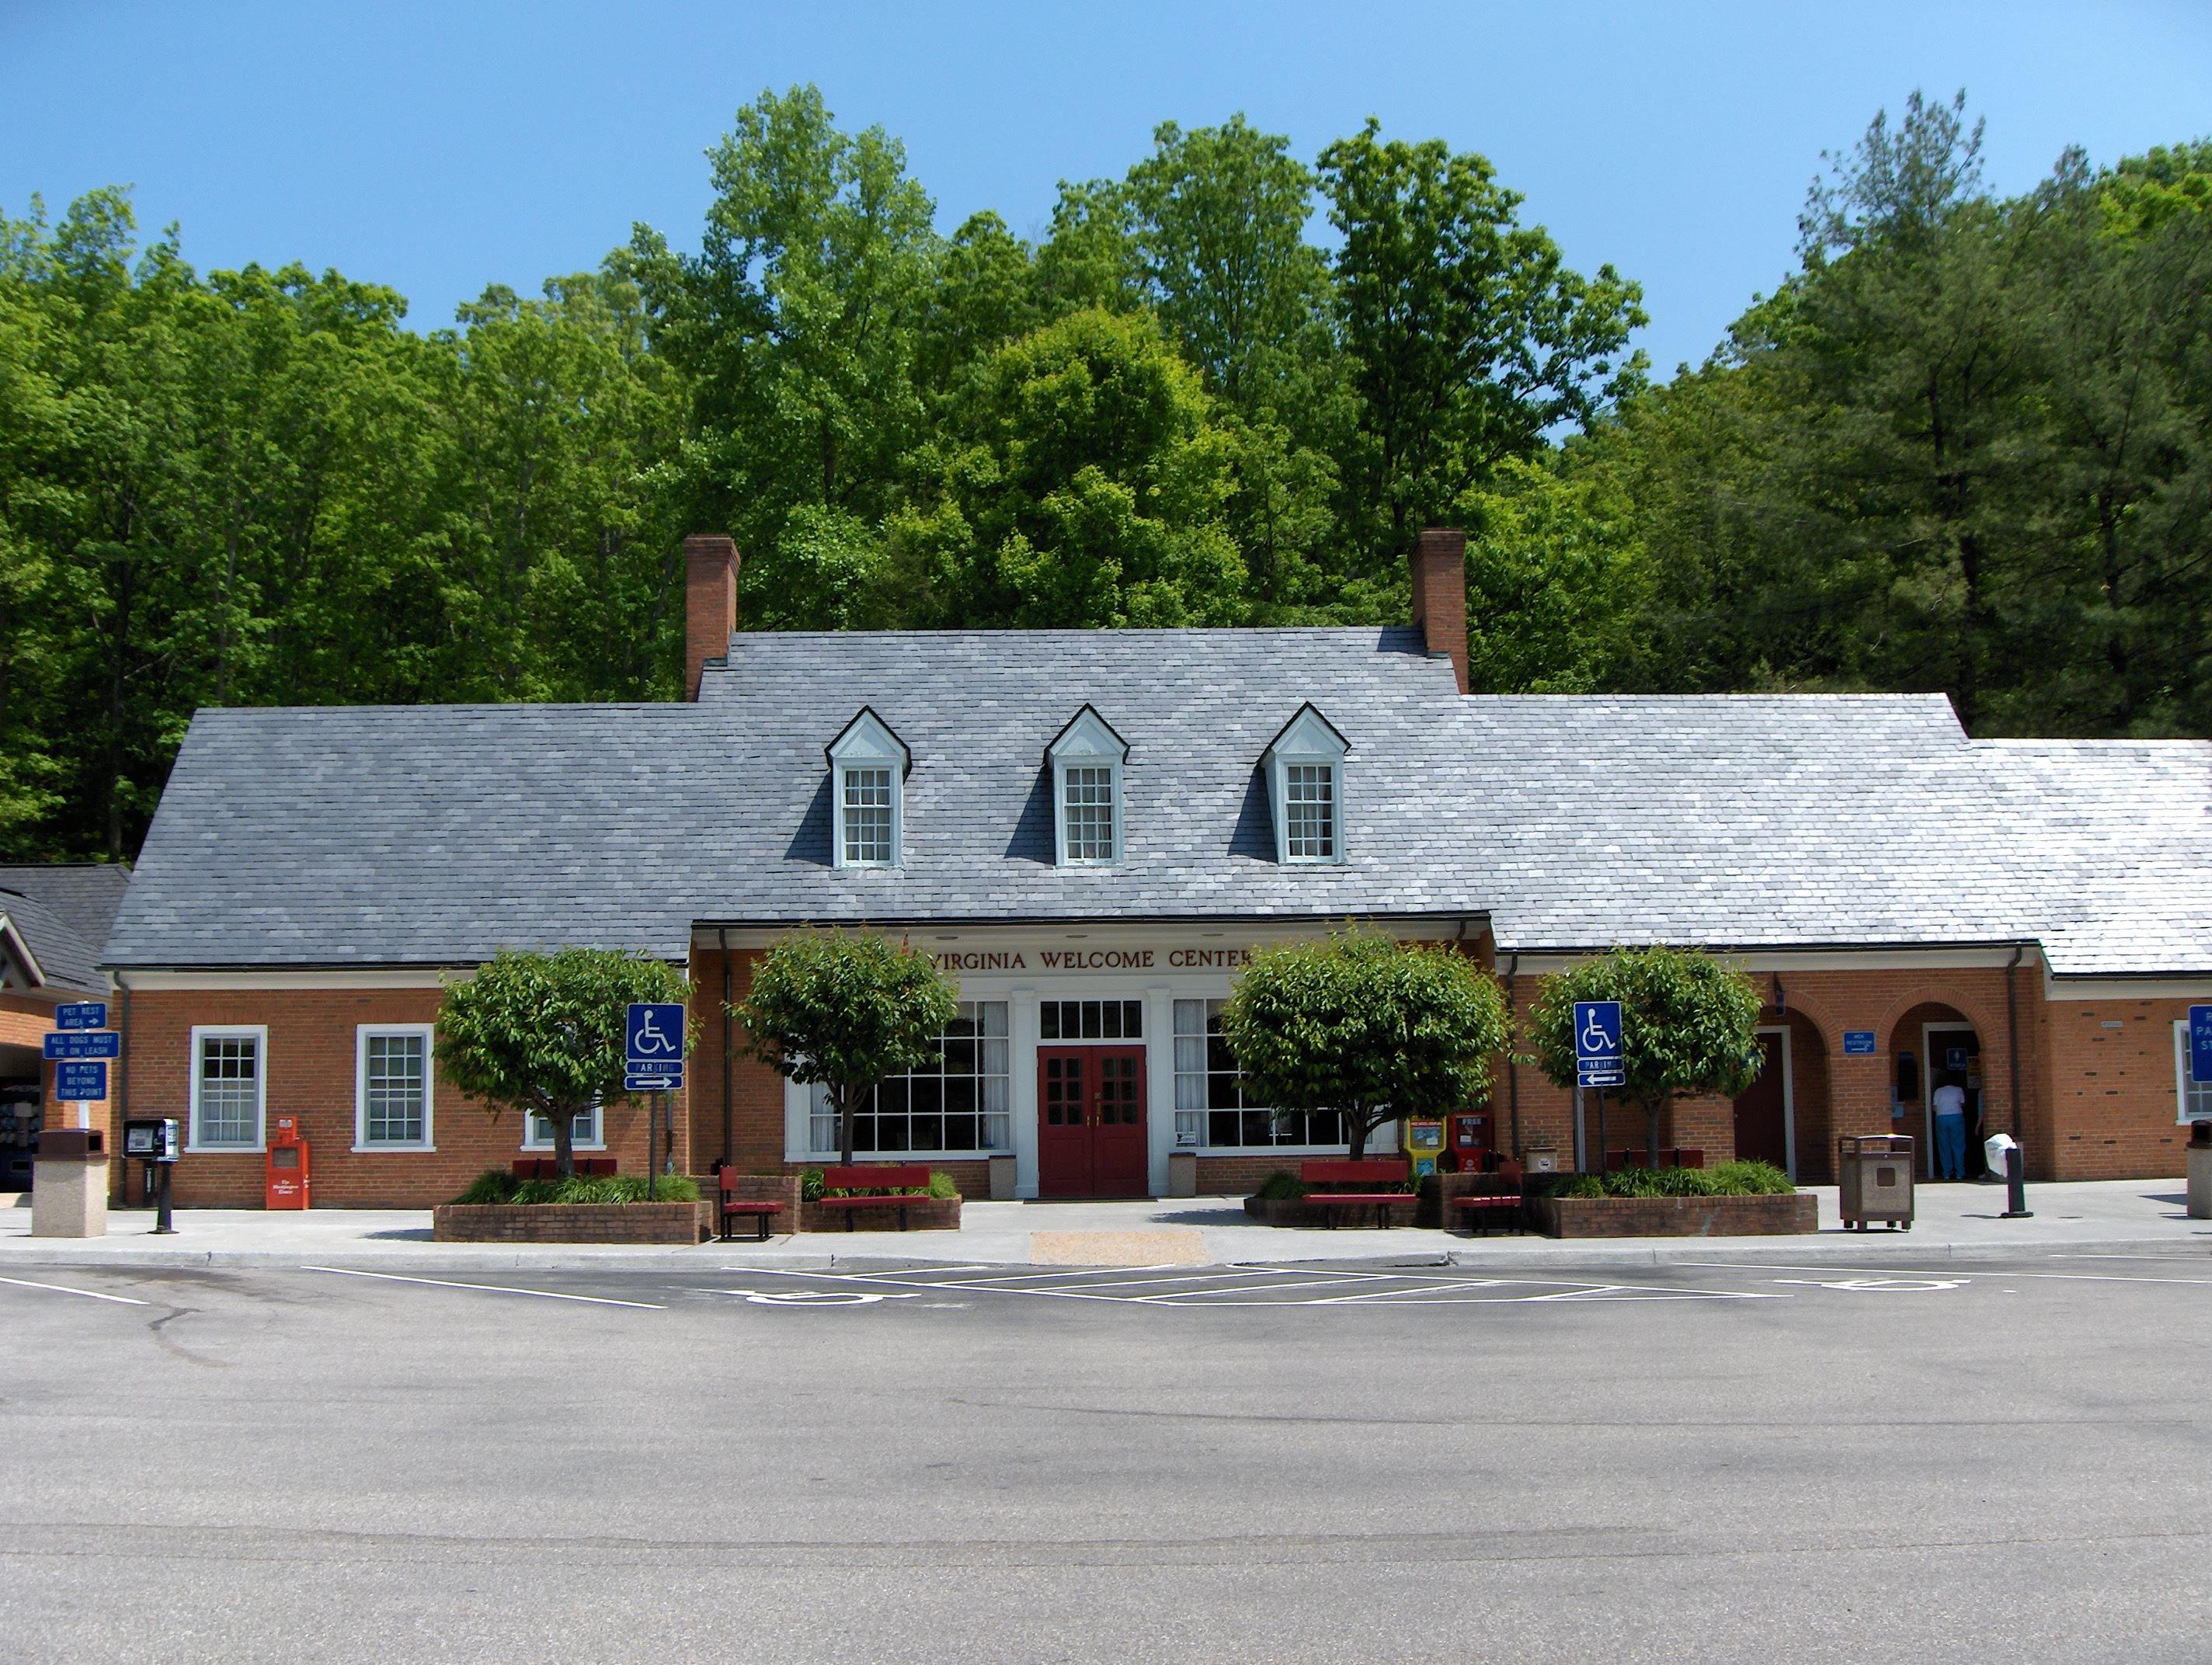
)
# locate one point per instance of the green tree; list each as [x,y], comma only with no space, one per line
[1084,486]
[1364,1027]
[1470,337]
[797,323]
[845,1010]
[1689,1026]
[543,1033]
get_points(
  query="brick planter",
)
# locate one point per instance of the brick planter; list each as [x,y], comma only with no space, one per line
[922,1214]
[574,1221]
[1297,1211]
[1675,1217]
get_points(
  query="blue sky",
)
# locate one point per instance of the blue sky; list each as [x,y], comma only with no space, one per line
[438,148]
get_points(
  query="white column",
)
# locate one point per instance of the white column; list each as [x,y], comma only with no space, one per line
[1022,1096]
[1159,1085]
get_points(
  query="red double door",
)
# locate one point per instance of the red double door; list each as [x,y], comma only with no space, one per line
[1090,1121]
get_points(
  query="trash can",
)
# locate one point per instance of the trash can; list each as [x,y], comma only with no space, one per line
[1183,1173]
[1002,1179]
[1873,1176]
[68,1195]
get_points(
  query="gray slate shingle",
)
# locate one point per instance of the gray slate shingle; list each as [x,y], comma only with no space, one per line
[65,910]
[434,834]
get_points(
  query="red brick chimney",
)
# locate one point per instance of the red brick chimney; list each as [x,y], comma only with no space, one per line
[710,603]
[1439,568]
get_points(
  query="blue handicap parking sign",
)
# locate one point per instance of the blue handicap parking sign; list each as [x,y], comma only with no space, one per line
[2200,1045]
[653,1038]
[1597,1044]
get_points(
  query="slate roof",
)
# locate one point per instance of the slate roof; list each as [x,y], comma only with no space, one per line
[63,911]
[435,835]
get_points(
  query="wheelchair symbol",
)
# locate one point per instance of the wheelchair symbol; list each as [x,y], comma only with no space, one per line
[649,1042]
[1594,1039]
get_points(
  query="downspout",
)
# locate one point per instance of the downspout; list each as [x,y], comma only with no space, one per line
[2012,1040]
[1512,1067]
[722,934]
[120,1165]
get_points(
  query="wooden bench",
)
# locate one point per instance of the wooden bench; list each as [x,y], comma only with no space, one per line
[762,1209]
[1498,1201]
[550,1167]
[1369,1176]
[874,1176]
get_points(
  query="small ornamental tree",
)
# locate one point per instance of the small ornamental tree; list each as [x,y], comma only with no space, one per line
[1365,1027]
[543,1033]
[845,1010]
[1689,1027]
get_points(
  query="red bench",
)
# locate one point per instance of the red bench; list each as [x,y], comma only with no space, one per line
[1369,1176]
[550,1167]
[762,1209]
[1498,1201]
[881,1175]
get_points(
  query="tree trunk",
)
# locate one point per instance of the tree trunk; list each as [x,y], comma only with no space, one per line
[1651,1109]
[848,1112]
[1359,1131]
[564,1142]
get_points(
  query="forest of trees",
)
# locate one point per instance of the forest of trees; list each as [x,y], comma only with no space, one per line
[1963,446]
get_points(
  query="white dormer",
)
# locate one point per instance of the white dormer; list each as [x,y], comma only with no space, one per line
[1086,758]
[1305,788]
[868,767]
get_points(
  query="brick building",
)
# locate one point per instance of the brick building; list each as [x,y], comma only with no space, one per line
[1091,829]
[52,922]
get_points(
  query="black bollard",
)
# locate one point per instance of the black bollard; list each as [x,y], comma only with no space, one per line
[163,1228]
[2016,1206]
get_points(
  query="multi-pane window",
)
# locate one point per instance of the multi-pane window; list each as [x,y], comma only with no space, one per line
[584,1133]
[227,1091]
[2193,1099]
[960,1102]
[867,817]
[1210,1106]
[1091,1020]
[1310,810]
[395,1087]
[1087,803]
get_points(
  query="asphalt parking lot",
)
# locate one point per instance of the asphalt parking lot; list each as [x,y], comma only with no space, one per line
[1275,1462]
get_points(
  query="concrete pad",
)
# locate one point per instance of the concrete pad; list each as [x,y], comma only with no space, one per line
[1175,1246]
[1960,1221]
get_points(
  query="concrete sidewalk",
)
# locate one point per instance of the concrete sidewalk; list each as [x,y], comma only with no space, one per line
[2120,1216]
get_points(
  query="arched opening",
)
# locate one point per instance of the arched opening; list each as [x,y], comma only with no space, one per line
[1937,1096]
[1783,1118]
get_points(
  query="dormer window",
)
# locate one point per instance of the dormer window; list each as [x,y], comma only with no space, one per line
[868,767]
[1305,788]
[1086,758]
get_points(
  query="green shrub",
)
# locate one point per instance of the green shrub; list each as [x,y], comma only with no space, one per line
[492,1185]
[810,1184]
[1752,1179]
[1277,1188]
[941,1185]
[1730,1179]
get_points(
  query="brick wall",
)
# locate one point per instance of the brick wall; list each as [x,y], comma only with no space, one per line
[2115,1108]
[1833,1094]
[309,1073]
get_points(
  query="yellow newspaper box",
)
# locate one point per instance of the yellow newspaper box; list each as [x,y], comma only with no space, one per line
[1424,1144]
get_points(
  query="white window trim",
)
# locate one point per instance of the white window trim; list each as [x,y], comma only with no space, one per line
[2181,1117]
[259,1035]
[867,742]
[361,1143]
[1088,742]
[600,1118]
[1309,738]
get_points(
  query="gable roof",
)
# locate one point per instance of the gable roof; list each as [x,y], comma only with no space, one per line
[436,835]
[63,911]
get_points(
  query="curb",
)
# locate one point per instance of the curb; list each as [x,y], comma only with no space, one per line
[1825,1248]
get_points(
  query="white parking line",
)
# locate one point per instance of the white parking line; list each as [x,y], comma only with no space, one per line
[489,1288]
[89,1294]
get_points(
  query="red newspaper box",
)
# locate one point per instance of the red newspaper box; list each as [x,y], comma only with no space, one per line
[287,1181]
